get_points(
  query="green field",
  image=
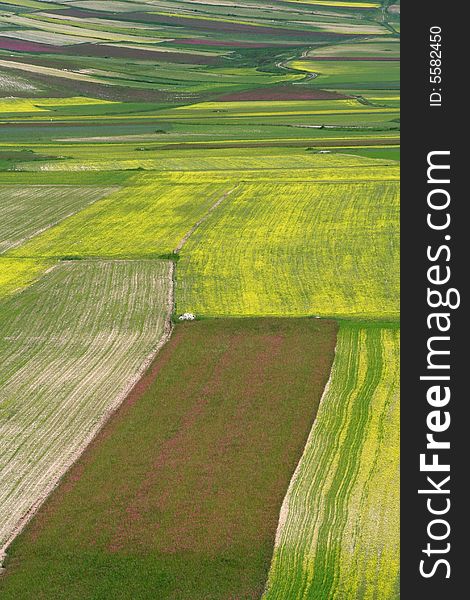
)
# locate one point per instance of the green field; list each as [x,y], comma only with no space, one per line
[72,344]
[231,155]
[346,74]
[327,249]
[204,457]
[338,536]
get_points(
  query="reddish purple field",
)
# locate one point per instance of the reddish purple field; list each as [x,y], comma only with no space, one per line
[21,46]
[280,93]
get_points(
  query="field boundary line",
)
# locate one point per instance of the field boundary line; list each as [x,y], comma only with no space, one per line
[203,219]
[167,331]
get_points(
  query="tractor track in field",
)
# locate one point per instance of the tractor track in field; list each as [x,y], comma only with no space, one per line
[183,241]
[128,390]
[203,219]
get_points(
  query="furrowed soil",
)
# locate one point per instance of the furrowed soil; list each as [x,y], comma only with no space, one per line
[179,495]
[72,346]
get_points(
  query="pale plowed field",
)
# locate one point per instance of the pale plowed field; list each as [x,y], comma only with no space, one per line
[71,345]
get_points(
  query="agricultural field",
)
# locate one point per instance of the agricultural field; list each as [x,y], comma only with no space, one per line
[348,74]
[338,534]
[329,249]
[72,344]
[241,396]
[16,274]
[143,220]
[235,162]
[225,154]
[26,211]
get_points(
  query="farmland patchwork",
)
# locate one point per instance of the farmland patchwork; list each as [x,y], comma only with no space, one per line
[204,452]
[237,164]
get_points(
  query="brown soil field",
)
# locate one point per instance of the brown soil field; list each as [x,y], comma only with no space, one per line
[179,495]
[280,93]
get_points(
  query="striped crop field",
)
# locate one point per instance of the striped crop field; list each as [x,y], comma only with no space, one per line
[204,160]
[72,345]
[338,535]
[146,219]
[347,74]
[324,249]
[26,211]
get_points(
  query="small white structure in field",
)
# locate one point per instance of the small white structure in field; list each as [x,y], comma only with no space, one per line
[187,317]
